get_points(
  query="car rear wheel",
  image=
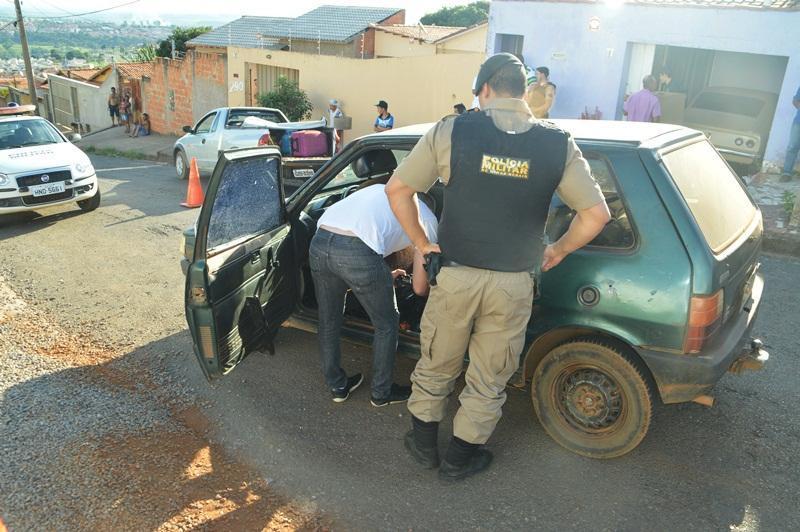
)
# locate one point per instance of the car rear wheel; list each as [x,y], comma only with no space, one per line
[592,398]
[90,204]
[181,165]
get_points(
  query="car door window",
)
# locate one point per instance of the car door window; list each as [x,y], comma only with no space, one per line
[618,233]
[204,125]
[247,203]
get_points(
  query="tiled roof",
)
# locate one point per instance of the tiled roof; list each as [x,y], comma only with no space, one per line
[420,32]
[326,23]
[135,70]
[83,74]
[758,4]
[246,32]
[780,5]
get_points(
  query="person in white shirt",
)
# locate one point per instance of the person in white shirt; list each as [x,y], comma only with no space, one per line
[334,111]
[348,250]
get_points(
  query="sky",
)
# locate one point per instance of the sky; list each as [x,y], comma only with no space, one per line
[177,11]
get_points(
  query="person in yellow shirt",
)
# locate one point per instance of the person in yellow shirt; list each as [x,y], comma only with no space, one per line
[541,94]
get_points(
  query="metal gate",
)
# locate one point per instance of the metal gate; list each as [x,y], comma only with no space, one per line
[262,78]
[63,108]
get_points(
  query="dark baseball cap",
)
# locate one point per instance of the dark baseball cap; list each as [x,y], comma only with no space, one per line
[491,66]
[382,103]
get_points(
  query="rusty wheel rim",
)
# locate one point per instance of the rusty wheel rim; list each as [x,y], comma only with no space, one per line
[589,400]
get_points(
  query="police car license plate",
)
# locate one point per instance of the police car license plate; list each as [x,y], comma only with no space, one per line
[47,189]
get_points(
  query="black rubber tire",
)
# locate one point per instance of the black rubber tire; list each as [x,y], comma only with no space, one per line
[185,165]
[631,384]
[88,205]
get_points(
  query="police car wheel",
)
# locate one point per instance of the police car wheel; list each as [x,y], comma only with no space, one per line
[593,398]
[181,165]
[90,204]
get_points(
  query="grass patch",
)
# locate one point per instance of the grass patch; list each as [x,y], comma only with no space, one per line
[113,152]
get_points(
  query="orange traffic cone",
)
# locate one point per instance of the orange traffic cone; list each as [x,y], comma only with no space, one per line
[194,194]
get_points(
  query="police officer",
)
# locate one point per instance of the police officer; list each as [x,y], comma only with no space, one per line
[501,167]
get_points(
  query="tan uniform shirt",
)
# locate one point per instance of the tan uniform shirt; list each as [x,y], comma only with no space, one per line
[537,96]
[430,158]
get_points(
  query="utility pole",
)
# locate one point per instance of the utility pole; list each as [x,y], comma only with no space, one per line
[26,56]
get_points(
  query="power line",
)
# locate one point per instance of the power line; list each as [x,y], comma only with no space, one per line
[59,8]
[89,12]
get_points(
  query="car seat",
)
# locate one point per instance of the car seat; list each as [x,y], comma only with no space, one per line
[22,135]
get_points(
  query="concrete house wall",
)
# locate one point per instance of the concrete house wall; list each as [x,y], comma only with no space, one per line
[418,89]
[92,101]
[590,67]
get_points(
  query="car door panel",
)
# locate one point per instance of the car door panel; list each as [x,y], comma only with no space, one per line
[244,253]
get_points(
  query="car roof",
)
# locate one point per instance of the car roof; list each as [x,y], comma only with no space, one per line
[17,118]
[592,130]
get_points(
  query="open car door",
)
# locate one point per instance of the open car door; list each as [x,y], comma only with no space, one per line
[242,283]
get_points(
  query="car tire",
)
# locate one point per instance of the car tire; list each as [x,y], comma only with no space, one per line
[88,205]
[181,165]
[593,398]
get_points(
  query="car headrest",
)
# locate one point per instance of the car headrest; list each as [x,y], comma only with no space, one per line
[373,163]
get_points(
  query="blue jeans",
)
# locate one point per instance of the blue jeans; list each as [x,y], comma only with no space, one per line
[792,149]
[341,262]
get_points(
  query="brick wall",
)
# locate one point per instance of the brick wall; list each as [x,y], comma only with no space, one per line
[169,95]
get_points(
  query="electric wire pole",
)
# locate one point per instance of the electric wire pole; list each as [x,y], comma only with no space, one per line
[26,56]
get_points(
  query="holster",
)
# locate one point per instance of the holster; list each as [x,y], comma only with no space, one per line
[433,263]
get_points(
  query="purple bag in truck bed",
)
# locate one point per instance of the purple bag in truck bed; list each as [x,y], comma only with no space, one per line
[309,143]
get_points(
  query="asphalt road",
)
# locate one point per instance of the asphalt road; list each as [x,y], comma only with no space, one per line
[115,273]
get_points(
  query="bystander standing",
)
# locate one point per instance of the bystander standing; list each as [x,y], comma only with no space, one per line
[794,141]
[113,106]
[643,106]
[384,121]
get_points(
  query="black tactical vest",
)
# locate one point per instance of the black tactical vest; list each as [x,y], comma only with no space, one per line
[499,193]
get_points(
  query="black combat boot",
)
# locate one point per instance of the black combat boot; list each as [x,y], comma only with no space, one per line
[421,442]
[463,459]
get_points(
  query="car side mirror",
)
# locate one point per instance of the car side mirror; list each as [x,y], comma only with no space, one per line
[187,129]
[74,137]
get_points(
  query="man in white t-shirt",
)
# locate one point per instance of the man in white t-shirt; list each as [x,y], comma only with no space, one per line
[347,252]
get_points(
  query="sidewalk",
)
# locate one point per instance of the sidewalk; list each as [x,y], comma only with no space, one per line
[114,140]
[769,192]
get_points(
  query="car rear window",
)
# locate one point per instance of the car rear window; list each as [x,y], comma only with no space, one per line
[237,116]
[714,194]
[729,103]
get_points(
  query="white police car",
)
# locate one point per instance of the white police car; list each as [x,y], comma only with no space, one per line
[40,167]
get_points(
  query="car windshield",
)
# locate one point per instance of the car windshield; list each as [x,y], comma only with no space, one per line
[729,103]
[237,117]
[714,194]
[27,133]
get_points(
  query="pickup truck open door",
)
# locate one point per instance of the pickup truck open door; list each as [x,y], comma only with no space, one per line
[242,282]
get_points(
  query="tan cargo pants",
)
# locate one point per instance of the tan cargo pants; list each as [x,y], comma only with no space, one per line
[486,313]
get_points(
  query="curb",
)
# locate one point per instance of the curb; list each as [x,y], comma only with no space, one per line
[781,243]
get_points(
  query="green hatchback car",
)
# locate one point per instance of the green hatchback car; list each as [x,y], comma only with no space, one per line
[658,307]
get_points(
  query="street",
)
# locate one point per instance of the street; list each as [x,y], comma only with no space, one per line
[113,277]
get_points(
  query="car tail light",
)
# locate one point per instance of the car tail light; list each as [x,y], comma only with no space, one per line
[751,143]
[705,317]
[739,141]
[265,140]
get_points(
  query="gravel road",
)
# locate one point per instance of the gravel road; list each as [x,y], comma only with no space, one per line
[112,276]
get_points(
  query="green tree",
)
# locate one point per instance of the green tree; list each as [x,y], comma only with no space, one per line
[55,55]
[461,16]
[289,98]
[180,36]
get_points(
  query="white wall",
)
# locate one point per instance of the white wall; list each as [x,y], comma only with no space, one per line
[92,100]
[589,66]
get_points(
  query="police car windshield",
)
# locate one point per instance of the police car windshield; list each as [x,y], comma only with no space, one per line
[23,133]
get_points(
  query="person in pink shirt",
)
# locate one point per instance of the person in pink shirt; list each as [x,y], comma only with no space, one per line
[643,106]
